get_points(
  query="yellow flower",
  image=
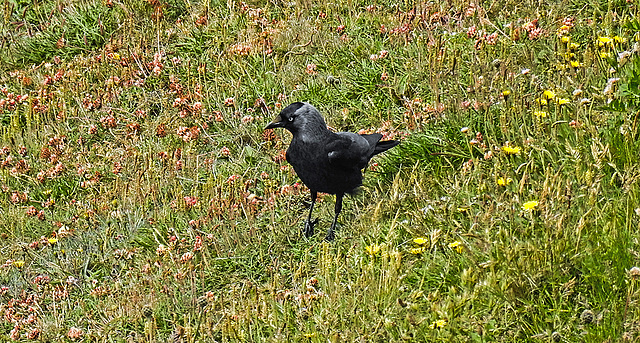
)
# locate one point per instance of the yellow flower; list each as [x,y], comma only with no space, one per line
[575,64]
[530,205]
[309,335]
[457,245]
[462,209]
[619,39]
[18,263]
[604,54]
[563,101]
[542,102]
[540,114]
[439,324]
[506,93]
[549,94]
[503,182]
[53,240]
[417,251]
[511,150]
[574,46]
[604,40]
[420,240]
[565,39]
[373,249]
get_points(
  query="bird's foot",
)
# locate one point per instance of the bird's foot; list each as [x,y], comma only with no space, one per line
[308,227]
[330,236]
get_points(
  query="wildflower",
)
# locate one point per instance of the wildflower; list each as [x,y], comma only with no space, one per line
[530,205]
[549,94]
[311,69]
[565,39]
[18,263]
[372,249]
[575,64]
[584,101]
[438,324]
[604,54]
[225,151]
[577,92]
[509,150]
[540,114]
[504,181]
[420,240]
[525,71]
[417,251]
[573,45]
[634,273]
[74,333]
[457,245]
[52,240]
[619,39]
[602,41]
[563,101]
[384,76]
[506,93]
[542,102]
[464,129]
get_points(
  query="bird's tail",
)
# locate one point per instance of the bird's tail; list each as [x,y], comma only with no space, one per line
[383,146]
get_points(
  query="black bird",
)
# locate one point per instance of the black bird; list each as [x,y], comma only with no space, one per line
[325,161]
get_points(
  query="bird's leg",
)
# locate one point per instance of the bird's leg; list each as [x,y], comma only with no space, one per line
[309,224]
[331,234]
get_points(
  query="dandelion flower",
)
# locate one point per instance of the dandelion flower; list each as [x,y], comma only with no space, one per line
[602,41]
[52,240]
[619,39]
[509,150]
[540,114]
[575,64]
[457,245]
[504,181]
[18,263]
[439,324]
[542,102]
[565,39]
[506,93]
[372,249]
[530,205]
[549,94]
[417,251]
[420,240]
[563,101]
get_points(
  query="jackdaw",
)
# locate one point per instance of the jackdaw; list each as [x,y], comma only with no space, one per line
[325,161]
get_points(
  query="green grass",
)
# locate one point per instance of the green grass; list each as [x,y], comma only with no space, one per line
[142,201]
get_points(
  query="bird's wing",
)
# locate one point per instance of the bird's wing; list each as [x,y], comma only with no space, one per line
[349,150]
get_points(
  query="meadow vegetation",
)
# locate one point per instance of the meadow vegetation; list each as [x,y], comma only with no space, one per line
[142,201]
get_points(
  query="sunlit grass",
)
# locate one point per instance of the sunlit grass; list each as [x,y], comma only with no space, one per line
[142,200]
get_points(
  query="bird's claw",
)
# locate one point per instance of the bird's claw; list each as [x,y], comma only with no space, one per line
[308,227]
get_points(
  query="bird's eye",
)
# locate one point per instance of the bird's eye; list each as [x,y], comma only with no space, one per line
[290,118]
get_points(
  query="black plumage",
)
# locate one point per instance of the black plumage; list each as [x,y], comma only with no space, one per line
[325,161]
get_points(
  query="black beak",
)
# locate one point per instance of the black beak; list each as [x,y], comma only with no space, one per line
[277,122]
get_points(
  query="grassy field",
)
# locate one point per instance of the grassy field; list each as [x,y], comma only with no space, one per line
[142,201]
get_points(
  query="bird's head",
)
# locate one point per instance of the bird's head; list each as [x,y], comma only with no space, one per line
[298,116]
